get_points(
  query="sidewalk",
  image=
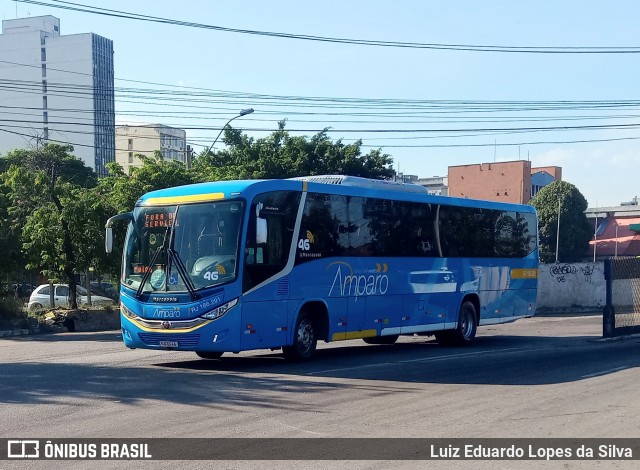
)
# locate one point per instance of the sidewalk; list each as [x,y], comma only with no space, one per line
[568,312]
[81,321]
[17,332]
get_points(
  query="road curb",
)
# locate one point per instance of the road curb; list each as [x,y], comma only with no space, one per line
[16,332]
[617,338]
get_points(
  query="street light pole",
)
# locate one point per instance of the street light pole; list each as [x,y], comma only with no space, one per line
[244,112]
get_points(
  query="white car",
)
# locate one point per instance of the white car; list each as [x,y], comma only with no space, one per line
[41,298]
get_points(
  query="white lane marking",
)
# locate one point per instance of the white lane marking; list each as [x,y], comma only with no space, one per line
[426,359]
[604,372]
[453,356]
[376,364]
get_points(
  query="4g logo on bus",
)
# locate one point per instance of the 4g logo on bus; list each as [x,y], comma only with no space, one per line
[304,244]
[215,274]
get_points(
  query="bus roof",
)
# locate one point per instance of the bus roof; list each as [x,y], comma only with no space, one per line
[333,184]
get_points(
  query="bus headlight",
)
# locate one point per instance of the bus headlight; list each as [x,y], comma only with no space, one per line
[127,313]
[221,310]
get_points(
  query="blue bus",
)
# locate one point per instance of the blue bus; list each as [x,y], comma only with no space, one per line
[231,266]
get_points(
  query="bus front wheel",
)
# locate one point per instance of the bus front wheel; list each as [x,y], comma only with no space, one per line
[304,341]
[465,332]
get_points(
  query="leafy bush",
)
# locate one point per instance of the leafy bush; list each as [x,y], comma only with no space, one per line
[11,311]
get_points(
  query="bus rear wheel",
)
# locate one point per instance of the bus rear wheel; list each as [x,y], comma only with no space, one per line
[465,332]
[209,354]
[305,340]
[390,339]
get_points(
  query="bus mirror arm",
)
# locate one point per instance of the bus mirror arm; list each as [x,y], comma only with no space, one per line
[261,226]
[108,239]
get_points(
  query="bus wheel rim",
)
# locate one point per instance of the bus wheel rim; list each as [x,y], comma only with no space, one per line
[305,336]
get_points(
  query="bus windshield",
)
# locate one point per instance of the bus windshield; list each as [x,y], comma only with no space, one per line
[182,248]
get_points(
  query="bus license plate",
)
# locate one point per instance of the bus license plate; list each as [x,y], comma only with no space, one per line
[168,344]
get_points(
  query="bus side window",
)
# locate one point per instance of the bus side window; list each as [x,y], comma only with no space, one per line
[265,258]
[324,231]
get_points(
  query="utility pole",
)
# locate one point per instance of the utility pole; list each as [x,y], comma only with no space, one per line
[189,156]
[595,235]
[558,229]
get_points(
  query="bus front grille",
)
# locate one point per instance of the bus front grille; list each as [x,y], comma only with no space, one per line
[155,339]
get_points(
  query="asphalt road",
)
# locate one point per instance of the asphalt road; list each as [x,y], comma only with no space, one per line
[539,377]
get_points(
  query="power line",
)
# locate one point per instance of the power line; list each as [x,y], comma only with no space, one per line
[336,40]
[209,116]
[374,107]
[377,131]
[470,145]
[512,144]
[327,106]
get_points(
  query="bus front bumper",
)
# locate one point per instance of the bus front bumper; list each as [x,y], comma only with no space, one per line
[213,335]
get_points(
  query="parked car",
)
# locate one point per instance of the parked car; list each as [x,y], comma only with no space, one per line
[40,297]
[105,289]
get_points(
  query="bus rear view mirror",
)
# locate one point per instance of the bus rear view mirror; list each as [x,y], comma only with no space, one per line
[108,240]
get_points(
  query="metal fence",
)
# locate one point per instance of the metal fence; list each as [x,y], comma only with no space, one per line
[622,311]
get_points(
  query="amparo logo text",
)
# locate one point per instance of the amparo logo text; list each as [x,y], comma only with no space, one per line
[346,282]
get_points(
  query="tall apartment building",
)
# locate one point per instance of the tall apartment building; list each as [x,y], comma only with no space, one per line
[502,181]
[146,139]
[56,88]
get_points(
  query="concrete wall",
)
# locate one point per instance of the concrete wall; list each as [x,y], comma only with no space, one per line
[571,287]
[95,320]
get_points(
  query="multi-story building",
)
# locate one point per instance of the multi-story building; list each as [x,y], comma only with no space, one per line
[514,181]
[616,230]
[56,88]
[145,139]
[542,176]
[437,185]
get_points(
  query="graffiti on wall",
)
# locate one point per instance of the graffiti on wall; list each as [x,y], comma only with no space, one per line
[573,286]
[561,272]
[587,271]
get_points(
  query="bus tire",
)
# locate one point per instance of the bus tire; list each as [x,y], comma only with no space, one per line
[209,354]
[390,339]
[305,339]
[465,332]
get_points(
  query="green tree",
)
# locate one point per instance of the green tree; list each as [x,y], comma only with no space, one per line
[47,189]
[118,192]
[282,155]
[563,199]
[121,190]
[13,261]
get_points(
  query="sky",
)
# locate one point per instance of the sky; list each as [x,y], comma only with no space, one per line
[429,108]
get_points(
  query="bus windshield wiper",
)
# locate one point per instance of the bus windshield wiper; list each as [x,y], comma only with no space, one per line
[182,270]
[174,256]
[147,273]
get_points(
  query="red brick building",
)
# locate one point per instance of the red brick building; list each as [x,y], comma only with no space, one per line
[502,181]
